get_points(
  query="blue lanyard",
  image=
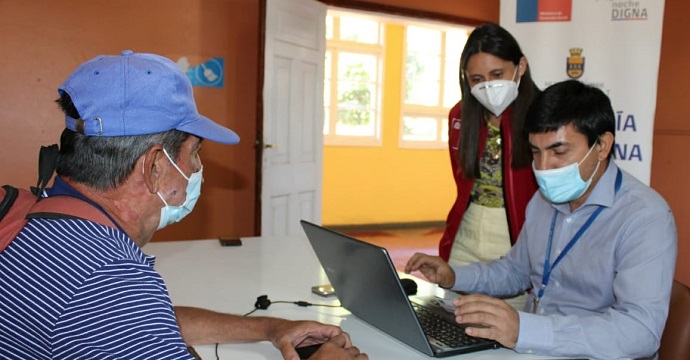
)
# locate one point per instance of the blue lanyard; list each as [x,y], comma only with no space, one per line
[548,268]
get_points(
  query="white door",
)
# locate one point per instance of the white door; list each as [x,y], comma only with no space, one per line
[293,115]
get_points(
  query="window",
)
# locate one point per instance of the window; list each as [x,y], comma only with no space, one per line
[352,87]
[353,79]
[431,84]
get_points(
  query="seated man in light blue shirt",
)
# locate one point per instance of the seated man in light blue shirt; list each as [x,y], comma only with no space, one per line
[597,251]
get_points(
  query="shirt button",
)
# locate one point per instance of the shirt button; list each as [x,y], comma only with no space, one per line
[568,220]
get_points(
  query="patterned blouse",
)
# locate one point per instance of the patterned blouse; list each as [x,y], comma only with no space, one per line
[488,187]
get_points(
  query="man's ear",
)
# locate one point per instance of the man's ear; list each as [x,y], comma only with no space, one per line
[606,141]
[152,167]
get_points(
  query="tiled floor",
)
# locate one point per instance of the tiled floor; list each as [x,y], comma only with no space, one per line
[402,243]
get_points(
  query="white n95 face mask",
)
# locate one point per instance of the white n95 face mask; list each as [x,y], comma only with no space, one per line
[496,95]
[171,214]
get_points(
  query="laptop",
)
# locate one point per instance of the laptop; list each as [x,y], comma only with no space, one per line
[367,284]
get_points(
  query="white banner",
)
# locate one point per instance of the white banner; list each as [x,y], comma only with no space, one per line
[611,44]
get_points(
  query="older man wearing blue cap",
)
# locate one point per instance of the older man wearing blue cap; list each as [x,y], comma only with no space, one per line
[80,289]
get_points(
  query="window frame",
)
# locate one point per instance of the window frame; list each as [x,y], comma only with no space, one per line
[336,46]
[438,111]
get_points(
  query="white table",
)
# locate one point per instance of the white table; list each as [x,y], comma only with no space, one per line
[229,279]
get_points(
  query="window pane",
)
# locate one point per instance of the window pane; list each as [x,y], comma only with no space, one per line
[327,93]
[326,121]
[432,84]
[455,42]
[354,97]
[329,27]
[355,113]
[327,68]
[451,85]
[419,128]
[353,73]
[422,92]
[423,66]
[444,130]
[423,40]
[327,65]
[422,80]
[359,30]
[356,94]
[362,126]
[360,67]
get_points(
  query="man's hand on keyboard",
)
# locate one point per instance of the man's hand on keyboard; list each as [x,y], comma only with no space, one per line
[435,269]
[501,320]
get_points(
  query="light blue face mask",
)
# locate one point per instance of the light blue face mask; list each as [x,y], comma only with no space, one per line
[563,184]
[171,214]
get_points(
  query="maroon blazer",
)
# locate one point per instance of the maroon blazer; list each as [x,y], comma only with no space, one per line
[518,184]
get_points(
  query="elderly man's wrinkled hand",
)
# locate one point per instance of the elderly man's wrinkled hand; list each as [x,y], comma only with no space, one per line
[336,349]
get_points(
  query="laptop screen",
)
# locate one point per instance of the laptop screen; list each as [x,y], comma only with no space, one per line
[367,284]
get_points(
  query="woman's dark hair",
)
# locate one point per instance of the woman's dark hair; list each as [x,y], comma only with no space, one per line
[495,40]
[572,102]
[106,162]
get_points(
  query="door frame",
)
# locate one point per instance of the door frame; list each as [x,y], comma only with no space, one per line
[261,62]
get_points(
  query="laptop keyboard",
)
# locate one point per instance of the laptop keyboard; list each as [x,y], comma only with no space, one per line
[442,331]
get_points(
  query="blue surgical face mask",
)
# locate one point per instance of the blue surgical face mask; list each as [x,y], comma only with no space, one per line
[171,214]
[563,184]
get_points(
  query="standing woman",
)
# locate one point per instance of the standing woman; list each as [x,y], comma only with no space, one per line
[489,152]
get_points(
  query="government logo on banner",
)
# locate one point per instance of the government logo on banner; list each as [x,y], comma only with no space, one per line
[575,64]
[543,10]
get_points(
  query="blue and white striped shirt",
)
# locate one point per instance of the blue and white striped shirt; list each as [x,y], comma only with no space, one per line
[74,289]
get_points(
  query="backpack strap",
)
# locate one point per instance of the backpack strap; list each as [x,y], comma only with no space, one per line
[18,206]
[10,194]
[68,207]
[15,205]
[47,160]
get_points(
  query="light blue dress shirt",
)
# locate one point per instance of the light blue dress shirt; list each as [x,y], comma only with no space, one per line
[608,297]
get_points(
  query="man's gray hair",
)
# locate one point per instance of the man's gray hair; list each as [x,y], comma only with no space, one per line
[104,163]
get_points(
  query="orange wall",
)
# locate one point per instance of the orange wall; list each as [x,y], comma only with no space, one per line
[42,41]
[670,164]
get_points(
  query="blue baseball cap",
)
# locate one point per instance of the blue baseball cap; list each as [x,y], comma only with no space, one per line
[136,94]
